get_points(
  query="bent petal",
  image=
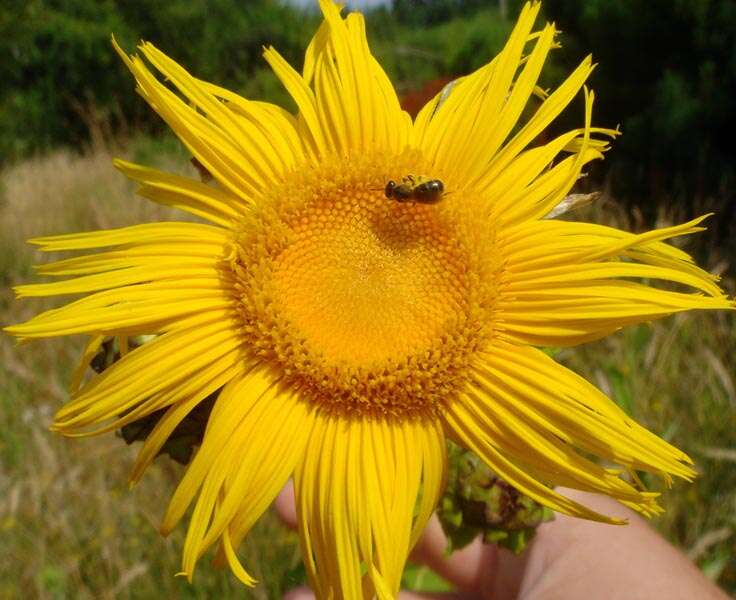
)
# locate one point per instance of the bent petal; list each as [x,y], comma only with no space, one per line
[154,277]
[181,401]
[356,493]
[529,419]
[255,435]
[155,375]
[237,148]
[467,131]
[208,202]
[563,281]
[346,102]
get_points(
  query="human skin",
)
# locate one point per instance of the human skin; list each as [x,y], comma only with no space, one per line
[570,559]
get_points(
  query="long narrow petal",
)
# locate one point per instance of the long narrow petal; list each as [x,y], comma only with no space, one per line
[549,110]
[206,201]
[366,101]
[356,491]
[90,350]
[159,252]
[502,102]
[303,95]
[145,282]
[503,192]
[136,234]
[347,105]
[133,310]
[134,255]
[235,150]
[563,281]
[255,436]
[280,125]
[471,136]
[471,110]
[181,401]
[164,363]
[530,418]
[158,273]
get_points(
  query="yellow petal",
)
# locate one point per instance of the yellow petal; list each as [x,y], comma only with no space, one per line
[235,151]
[530,418]
[356,491]
[180,401]
[135,234]
[206,201]
[563,281]
[165,362]
[254,438]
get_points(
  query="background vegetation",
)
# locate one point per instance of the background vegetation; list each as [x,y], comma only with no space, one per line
[69,527]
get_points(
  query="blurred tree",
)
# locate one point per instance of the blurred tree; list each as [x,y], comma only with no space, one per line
[430,12]
[63,82]
[56,71]
[668,74]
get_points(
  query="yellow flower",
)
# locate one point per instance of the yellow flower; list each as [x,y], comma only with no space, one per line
[349,332]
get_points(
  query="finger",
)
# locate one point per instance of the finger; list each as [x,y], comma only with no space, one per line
[626,562]
[286,510]
[285,505]
[299,593]
[304,593]
[437,596]
[471,569]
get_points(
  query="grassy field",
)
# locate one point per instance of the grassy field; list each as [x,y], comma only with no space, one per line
[69,527]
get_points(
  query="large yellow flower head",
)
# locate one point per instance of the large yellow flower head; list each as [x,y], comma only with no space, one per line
[349,332]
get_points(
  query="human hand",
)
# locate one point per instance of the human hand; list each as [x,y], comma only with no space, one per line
[569,559]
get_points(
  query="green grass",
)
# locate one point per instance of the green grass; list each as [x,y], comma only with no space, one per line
[69,526]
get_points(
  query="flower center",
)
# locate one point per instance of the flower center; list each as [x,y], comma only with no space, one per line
[367,280]
[364,303]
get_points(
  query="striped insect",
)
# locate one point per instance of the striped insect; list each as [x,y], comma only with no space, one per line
[415,188]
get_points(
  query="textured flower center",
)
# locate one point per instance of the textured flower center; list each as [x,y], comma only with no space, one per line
[364,303]
[366,280]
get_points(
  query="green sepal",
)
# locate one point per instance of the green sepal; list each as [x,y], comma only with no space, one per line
[477,502]
[187,435]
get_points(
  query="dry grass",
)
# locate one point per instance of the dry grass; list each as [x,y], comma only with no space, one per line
[69,527]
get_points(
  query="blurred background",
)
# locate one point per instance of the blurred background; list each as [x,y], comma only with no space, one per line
[69,526]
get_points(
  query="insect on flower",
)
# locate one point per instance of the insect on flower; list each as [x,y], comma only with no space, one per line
[415,188]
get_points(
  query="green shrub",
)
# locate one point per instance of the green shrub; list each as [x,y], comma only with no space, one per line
[65,85]
[667,74]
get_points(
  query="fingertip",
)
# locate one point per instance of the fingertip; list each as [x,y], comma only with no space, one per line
[472,568]
[299,593]
[286,506]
